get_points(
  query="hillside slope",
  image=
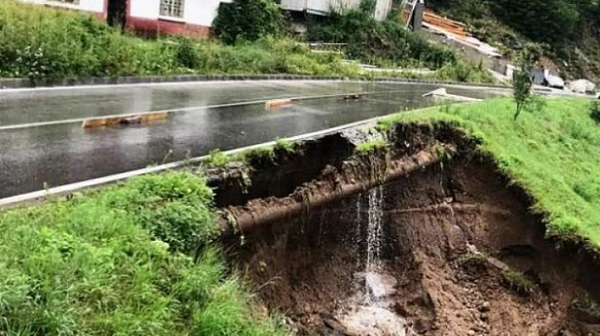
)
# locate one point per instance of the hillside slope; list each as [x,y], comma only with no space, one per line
[564,31]
[551,153]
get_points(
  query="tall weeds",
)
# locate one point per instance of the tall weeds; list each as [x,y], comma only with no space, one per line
[119,262]
[40,42]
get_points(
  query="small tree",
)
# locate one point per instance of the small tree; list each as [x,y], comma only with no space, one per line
[247,20]
[595,111]
[522,82]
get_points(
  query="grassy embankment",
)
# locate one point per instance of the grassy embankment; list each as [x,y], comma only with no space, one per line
[38,42]
[121,261]
[552,153]
[65,44]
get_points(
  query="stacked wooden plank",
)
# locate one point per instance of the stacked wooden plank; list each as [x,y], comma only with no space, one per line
[450,26]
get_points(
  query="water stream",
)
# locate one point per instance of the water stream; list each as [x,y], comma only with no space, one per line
[373,286]
[369,310]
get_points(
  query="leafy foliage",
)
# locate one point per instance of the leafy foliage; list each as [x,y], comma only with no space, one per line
[547,21]
[217,158]
[462,71]
[70,45]
[378,42]
[522,84]
[186,53]
[595,111]
[108,263]
[285,145]
[247,20]
[389,43]
[372,146]
[566,30]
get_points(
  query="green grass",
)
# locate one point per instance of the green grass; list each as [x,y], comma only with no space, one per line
[372,146]
[216,158]
[285,145]
[63,44]
[121,262]
[552,153]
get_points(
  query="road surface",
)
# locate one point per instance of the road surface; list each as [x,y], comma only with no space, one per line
[34,157]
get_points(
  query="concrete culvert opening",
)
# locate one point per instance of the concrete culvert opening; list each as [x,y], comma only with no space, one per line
[446,249]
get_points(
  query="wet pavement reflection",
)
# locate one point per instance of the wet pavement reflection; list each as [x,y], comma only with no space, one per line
[31,158]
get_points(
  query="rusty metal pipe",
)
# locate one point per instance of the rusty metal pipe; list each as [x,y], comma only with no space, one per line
[316,194]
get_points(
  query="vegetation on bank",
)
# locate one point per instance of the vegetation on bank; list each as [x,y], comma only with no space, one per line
[390,44]
[69,45]
[122,261]
[552,152]
[563,30]
[66,44]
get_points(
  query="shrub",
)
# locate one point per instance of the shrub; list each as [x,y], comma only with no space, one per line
[285,145]
[186,54]
[217,158]
[247,20]
[174,208]
[461,71]
[522,84]
[93,266]
[379,43]
[69,45]
[595,111]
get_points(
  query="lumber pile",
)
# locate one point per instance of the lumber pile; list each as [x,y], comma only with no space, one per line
[457,31]
[447,25]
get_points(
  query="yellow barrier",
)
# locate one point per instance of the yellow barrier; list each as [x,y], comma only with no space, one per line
[277,102]
[127,120]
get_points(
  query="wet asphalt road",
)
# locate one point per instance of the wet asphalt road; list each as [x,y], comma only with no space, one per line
[54,155]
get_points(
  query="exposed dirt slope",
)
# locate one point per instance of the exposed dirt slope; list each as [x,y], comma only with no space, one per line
[460,250]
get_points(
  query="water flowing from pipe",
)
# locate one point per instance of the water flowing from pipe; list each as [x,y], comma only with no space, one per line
[373,286]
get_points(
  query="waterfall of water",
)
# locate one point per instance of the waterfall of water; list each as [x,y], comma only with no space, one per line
[373,286]
[371,312]
[357,233]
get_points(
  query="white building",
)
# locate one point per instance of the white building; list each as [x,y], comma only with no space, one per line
[149,16]
[324,7]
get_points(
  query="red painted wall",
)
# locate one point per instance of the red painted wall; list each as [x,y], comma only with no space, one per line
[155,27]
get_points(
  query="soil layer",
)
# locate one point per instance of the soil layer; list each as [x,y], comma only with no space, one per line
[464,255]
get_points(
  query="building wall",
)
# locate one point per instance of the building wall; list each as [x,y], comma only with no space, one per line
[196,12]
[95,6]
[324,7]
[143,15]
[198,15]
[382,8]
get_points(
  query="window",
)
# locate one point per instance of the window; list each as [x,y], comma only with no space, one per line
[69,2]
[171,8]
